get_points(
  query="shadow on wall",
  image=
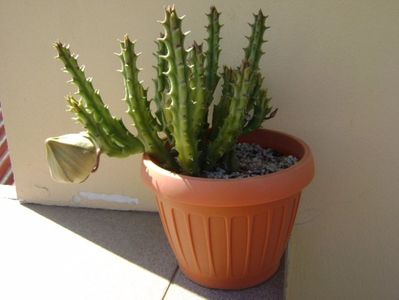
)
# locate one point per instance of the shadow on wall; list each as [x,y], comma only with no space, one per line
[139,238]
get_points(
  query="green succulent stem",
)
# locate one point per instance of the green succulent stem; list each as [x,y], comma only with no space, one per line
[199,109]
[260,111]
[213,52]
[233,123]
[177,134]
[253,52]
[98,134]
[221,110]
[109,133]
[139,107]
[179,93]
[258,106]
[161,86]
[230,161]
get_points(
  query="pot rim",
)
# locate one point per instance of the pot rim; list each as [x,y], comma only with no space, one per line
[235,192]
[306,158]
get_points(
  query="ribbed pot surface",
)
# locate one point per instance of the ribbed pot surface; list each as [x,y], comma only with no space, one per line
[232,233]
[229,248]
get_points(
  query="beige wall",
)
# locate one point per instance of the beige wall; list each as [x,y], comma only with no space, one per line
[344,63]
[333,70]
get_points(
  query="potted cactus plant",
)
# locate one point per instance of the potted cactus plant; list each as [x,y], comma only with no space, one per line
[225,233]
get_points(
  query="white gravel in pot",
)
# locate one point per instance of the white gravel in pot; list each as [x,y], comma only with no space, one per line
[253,160]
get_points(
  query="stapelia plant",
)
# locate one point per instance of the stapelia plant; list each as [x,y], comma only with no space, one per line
[178,135]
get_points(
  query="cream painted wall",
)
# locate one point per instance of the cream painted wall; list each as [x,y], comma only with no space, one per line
[333,70]
[343,92]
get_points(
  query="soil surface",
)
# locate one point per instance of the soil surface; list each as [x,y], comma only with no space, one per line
[253,160]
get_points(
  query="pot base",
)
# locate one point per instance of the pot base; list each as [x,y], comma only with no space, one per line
[238,283]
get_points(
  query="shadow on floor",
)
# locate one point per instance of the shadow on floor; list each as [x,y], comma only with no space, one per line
[136,236]
[270,290]
[139,238]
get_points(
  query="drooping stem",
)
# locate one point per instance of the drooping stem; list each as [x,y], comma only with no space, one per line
[108,132]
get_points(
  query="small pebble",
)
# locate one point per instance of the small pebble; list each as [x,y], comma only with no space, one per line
[253,160]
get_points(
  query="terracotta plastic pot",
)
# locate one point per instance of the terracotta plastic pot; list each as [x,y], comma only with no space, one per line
[232,233]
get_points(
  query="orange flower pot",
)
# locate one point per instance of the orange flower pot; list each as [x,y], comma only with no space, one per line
[232,233]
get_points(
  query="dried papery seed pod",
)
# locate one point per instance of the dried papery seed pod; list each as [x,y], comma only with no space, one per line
[71,157]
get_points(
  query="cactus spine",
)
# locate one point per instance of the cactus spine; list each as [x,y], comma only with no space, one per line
[185,83]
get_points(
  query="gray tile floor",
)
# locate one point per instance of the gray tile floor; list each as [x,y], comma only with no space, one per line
[50,252]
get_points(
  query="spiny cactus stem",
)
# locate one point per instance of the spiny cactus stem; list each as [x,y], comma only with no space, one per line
[160,83]
[184,86]
[178,76]
[93,111]
[107,140]
[260,111]
[253,51]
[92,98]
[212,54]
[139,107]
[233,123]
[222,108]
[199,92]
